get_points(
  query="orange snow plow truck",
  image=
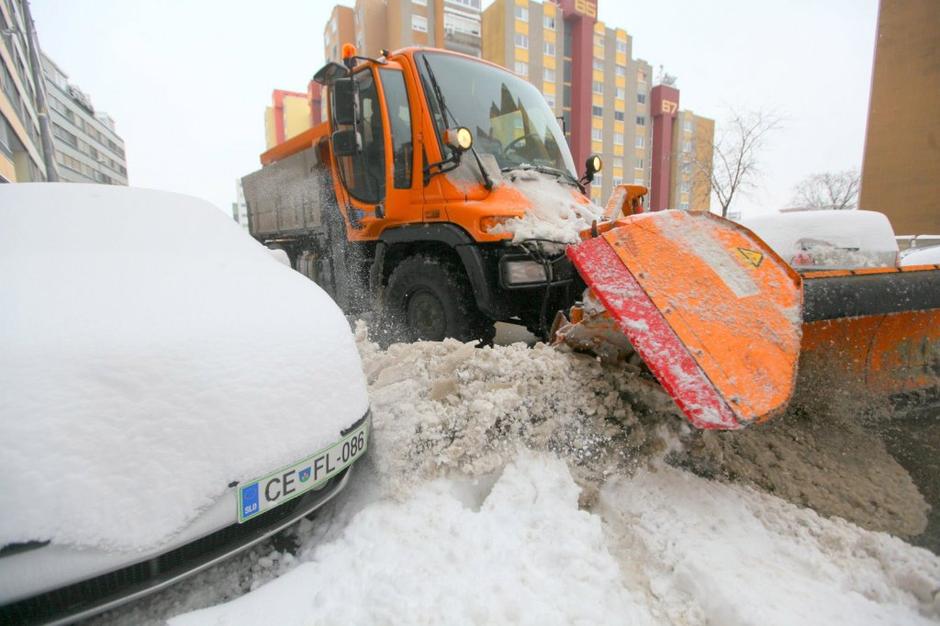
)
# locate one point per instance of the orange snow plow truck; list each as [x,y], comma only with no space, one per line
[440,195]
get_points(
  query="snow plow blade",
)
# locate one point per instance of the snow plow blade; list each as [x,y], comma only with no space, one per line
[725,325]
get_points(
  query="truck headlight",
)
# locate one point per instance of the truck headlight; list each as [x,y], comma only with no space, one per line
[523,272]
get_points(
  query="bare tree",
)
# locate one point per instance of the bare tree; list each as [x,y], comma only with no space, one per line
[829,190]
[734,168]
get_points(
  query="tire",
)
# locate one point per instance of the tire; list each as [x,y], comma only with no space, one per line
[428,299]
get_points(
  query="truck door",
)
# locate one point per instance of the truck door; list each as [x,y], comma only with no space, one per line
[362,173]
[378,179]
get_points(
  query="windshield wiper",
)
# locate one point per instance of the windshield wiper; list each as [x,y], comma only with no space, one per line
[487,181]
[545,169]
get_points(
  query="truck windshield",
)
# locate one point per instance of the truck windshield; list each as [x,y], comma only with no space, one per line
[508,116]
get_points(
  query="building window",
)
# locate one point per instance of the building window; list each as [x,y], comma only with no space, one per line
[641,98]
[550,99]
[639,180]
[423,3]
[618,115]
[598,64]
[419,23]
[620,70]
[597,111]
[640,141]
[548,75]
[687,126]
[618,181]
[522,13]
[598,41]
[522,41]
[522,69]
[639,164]
[597,86]
[598,181]
[687,146]
[548,22]
[640,120]
[641,76]
[621,93]
[549,48]
[597,134]
[621,46]
[618,139]
[454,23]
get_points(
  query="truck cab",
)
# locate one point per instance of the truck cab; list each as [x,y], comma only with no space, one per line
[440,194]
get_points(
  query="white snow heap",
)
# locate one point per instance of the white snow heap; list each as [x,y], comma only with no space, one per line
[558,211]
[662,547]
[152,354]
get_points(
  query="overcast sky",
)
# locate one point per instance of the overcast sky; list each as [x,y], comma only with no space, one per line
[187,82]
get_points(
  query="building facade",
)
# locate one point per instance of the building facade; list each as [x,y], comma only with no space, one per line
[87,147]
[376,25]
[901,166]
[240,207]
[21,156]
[600,92]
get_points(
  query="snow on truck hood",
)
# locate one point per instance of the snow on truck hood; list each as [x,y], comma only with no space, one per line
[152,353]
[558,211]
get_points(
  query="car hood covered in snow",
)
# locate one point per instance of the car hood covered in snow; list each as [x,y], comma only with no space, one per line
[152,354]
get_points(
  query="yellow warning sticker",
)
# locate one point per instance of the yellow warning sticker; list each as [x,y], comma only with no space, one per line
[751,256]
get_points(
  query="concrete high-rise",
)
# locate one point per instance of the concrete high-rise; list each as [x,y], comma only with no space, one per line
[602,94]
[21,155]
[901,167]
[376,25]
[87,147]
[588,75]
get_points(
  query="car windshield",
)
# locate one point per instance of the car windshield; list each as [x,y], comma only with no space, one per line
[508,116]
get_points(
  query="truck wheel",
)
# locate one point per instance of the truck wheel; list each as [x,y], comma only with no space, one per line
[429,298]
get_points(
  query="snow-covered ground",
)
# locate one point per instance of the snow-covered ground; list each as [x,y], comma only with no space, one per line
[515,485]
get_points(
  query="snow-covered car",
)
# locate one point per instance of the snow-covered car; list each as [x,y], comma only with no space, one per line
[170,394]
[928,255]
[828,239]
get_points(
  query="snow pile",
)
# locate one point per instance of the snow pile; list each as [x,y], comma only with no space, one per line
[442,406]
[152,353]
[557,212]
[522,554]
[711,553]
[450,520]
[829,239]
[661,547]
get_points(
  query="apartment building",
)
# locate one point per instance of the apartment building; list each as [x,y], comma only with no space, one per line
[87,147]
[692,150]
[901,166]
[589,77]
[240,207]
[21,156]
[375,25]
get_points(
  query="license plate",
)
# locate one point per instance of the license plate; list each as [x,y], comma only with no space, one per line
[263,494]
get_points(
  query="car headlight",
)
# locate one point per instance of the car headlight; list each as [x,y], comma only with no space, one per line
[523,272]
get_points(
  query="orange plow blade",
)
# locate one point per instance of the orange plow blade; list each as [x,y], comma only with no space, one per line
[720,319]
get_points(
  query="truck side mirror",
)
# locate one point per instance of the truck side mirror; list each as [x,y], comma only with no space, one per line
[344,102]
[346,142]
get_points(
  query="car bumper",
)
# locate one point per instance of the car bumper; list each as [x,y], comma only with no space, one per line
[128,576]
